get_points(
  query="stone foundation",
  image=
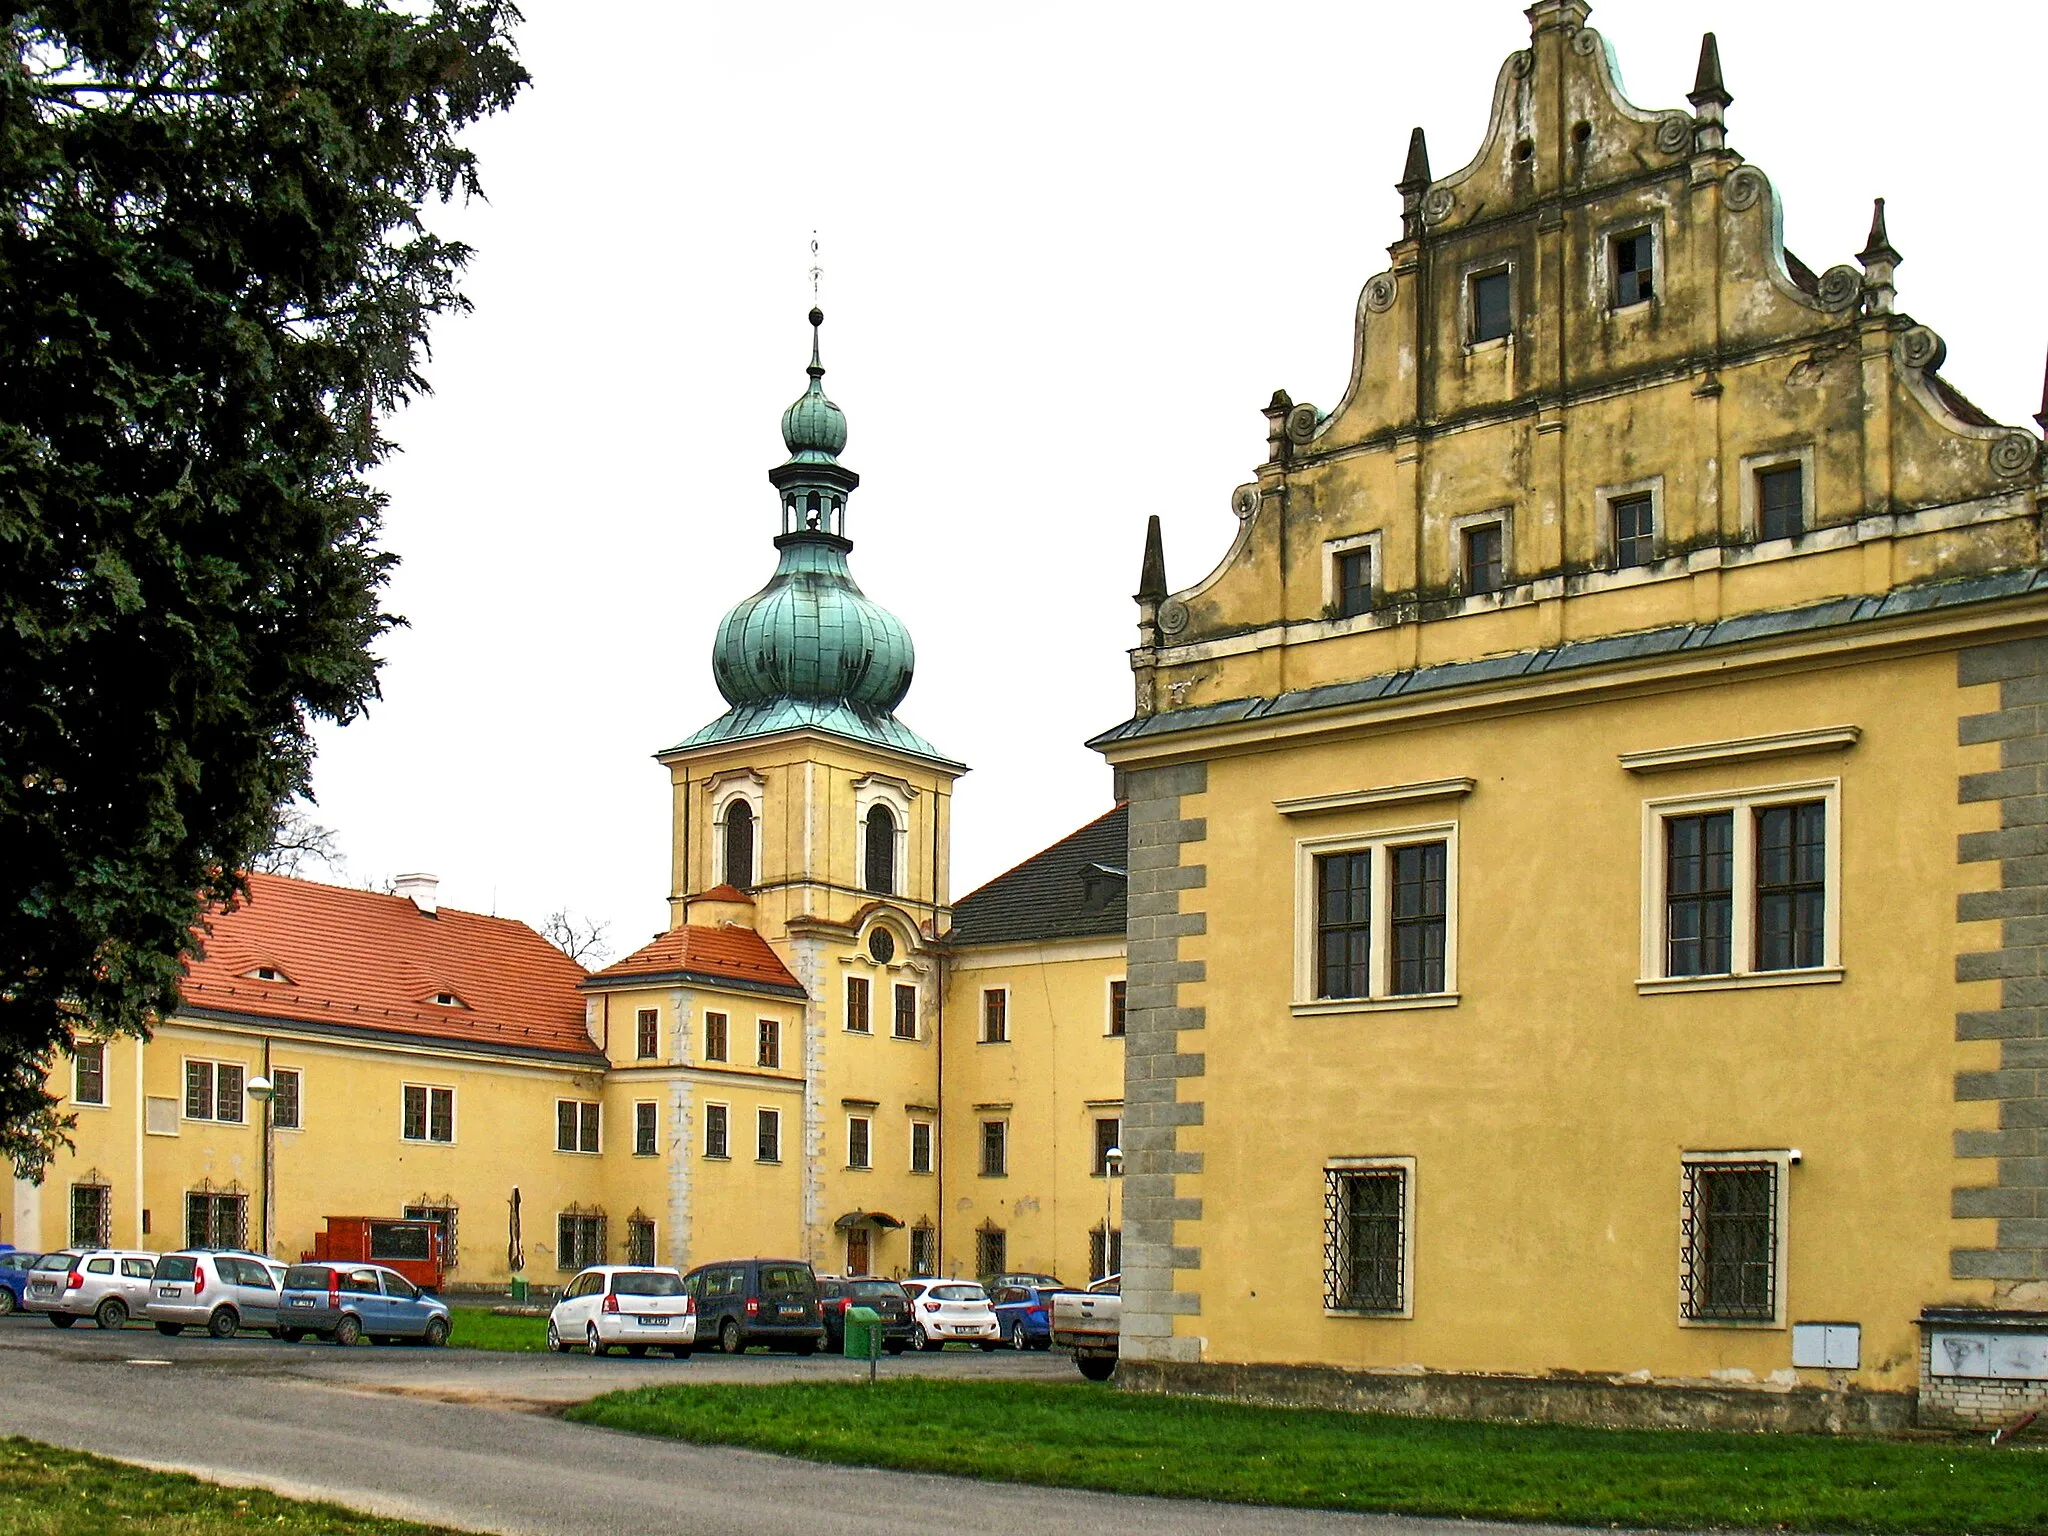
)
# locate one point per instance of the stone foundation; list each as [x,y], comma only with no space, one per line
[1603,1401]
[1978,1401]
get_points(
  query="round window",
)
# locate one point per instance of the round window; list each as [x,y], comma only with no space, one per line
[882,946]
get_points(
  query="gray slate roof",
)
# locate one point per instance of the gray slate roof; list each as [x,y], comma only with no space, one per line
[1047,896]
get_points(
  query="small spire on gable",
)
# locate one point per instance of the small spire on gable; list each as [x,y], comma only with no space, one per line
[2041,416]
[1415,174]
[1879,246]
[1707,87]
[1152,575]
[1880,264]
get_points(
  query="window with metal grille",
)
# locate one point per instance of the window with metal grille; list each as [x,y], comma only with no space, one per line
[216,1220]
[92,1215]
[429,1113]
[1780,502]
[768,1051]
[739,844]
[881,851]
[1109,1131]
[646,1116]
[1344,924]
[1418,918]
[920,1146]
[857,1005]
[1729,1226]
[995,1016]
[714,1037]
[89,1072]
[1105,1252]
[924,1249]
[1791,886]
[445,1215]
[1116,1007]
[1365,1239]
[576,1125]
[1635,532]
[716,1131]
[285,1099]
[579,1239]
[647,1033]
[1634,257]
[1699,893]
[639,1240]
[768,1135]
[991,1252]
[1354,582]
[1492,309]
[995,1148]
[906,1012]
[858,1128]
[1485,558]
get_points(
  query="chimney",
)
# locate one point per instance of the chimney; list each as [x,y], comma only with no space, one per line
[421,890]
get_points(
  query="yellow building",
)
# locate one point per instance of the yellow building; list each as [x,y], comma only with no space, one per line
[1585,896]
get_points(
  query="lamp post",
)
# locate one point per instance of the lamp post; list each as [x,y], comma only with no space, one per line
[1112,1168]
[263,1090]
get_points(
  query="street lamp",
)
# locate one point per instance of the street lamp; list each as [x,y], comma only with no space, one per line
[263,1091]
[1112,1168]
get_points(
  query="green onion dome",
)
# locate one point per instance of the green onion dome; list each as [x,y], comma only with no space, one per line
[812,634]
[814,428]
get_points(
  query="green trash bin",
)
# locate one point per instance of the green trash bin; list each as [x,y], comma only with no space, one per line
[519,1288]
[863,1339]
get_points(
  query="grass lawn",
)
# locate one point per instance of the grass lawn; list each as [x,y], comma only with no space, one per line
[1083,1436]
[481,1328]
[48,1492]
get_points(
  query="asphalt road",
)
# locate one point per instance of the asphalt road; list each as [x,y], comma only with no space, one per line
[470,1439]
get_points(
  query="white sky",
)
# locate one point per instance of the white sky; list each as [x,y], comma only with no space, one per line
[1070,250]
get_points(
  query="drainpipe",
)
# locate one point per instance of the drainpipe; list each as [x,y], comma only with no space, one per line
[939,1063]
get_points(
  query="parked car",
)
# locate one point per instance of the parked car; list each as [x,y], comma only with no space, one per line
[108,1285]
[1025,1313]
[835,1295]
[15,1263]
[222,1292]
[346,1302]
[640,1306]
[952,1311]
[1086,1322]
[743,1302]
[1027,1277]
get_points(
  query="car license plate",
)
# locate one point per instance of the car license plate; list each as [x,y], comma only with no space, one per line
[651,1322]
[302,1301]
[168,1292]
[792,1311]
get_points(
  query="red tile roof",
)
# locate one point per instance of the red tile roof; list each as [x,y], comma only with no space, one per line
[363,961]
[737,956]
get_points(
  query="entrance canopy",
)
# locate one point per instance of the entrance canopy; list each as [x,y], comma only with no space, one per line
[880,1219]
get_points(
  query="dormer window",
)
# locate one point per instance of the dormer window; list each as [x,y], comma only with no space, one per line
[447,1000]
[267,973]
[1634,268]
[1492,307]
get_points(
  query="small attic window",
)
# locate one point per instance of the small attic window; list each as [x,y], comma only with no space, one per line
[447,1000]
[1634,268]
[266,973]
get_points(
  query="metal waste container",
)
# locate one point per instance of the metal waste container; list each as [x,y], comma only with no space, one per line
[863,1339]
[519,1288]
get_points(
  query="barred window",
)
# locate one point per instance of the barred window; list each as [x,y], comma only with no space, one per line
[285,1099]
[1105,1252]
[216,1220]
[1365,1238]
[857,1005]
[991,1252]
[89,1072]
[716,1118]
[579,1239]
[443,1214]
[647,1033]
[92,1215]
[924,1249]
[1730,1229]
[640,1240]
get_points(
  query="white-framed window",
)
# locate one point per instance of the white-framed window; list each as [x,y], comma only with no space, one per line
[995,1015]
[995,1149]
[1376,920]
[428,1114]
[1630,522]
[716,1043]
[1369,1236]
[882,809]
[1742,888]
[920,1146]
[213,1091]
[859,1016]
[717,1130]
[903,1024]
[89,1073]
[1777,493]
[859,1141]
[577,1124]
[1109,1137]
[1351,574]
[768,1135]
[1487,304]
[646,1126]
[287,1099]
[1634,270]
[736,828]
[1482,551]
[768,1042]
[647,1033]
[1732,1238]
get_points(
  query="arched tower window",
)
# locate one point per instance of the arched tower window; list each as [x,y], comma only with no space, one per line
[881,851]
[739,844]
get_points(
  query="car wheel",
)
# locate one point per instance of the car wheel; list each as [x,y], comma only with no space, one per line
[930,1344]
[1096,1367]
[1019,1339]
[592,1344]
[7,1301]
[223,1324]
[347,1331]
[729,1338]
[112,1313]
[291,1335]
[62,1319]
[555,1344]
[437,1332]
[170,1330]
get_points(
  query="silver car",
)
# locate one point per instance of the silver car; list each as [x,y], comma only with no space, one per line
[108,1285]
[220,1292]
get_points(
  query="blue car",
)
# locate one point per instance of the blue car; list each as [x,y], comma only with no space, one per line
[15,1263]
[1025,1313]
[346,1302]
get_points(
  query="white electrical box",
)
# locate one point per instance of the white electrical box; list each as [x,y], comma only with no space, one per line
[1827,1346]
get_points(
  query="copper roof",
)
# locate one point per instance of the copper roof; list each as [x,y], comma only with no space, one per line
[722,956]
[361,961]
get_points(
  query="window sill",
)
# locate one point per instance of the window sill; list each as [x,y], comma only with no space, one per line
[850,1030]
[717,1157]
[89,1104]
[647,1154]
[1369,1314]
[1740,1325]
[860,1168]
[1004,1041]
[769,1162]
[577,1152]
[1815,976]
[909,1039]
[1333,1005]
[920,1173]
[1490,344]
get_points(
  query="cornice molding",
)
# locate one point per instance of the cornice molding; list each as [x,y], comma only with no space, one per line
[1742,749]
[1388,794]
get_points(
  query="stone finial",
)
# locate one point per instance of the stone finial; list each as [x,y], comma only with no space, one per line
[1880,264]
[1709,98]
[2041,416]
[1152,575]
[1550,15]
[1412,186]
[1276,425]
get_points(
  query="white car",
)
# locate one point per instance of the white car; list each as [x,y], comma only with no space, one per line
[950,1310]
[640,1306]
